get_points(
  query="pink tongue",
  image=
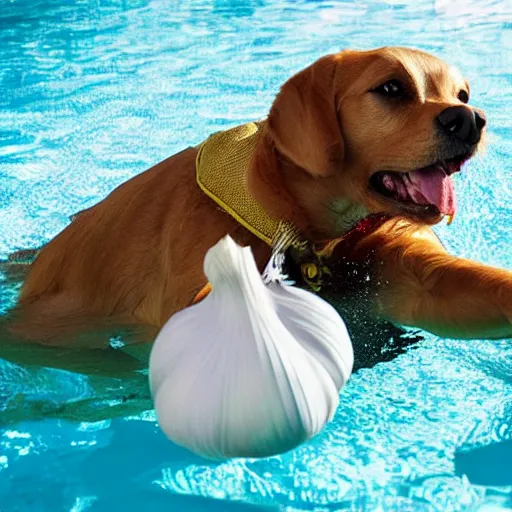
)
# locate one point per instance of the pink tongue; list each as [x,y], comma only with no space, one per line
[432,186]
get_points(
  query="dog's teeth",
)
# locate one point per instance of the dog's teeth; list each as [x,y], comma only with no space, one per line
[388,182]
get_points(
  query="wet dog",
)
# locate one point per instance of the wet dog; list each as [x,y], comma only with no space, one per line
[358,142]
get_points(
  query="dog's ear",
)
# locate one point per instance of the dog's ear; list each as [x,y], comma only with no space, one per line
[303,120]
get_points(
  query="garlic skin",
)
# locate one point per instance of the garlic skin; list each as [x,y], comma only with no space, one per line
[251,371]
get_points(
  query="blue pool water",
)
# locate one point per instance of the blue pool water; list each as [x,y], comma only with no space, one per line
[96,91]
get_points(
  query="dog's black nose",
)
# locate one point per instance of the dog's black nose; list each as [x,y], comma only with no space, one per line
[463,123]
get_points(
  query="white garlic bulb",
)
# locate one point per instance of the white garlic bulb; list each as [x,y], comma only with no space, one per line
[254,369]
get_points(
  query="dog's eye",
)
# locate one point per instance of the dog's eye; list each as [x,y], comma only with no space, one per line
[463,96]
[391,89]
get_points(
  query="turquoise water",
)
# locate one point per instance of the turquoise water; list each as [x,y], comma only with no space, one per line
[94,92]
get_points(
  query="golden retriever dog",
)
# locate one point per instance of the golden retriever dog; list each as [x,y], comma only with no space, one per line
[358,138]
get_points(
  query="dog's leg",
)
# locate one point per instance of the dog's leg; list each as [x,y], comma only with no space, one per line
[423,286]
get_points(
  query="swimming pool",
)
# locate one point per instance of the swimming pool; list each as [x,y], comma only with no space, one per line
[96,92]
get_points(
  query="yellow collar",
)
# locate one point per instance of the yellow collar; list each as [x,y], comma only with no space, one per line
[222,167]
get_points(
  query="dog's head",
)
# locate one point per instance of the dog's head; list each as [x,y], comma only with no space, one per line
[383,129]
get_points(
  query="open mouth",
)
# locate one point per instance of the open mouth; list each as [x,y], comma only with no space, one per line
[427,193]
